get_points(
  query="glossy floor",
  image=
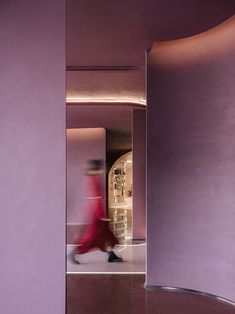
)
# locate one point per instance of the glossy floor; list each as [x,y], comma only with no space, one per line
[96,261]
[125,294]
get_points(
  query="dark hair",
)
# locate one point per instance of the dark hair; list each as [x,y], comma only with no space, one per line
[94,164]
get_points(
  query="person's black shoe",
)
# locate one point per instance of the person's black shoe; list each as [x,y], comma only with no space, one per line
[72,258]
[114,258]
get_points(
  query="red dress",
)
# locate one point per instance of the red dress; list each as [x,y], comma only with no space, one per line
[97,234]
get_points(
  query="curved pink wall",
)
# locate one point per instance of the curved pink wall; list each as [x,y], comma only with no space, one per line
[191,164]
[130,26]
[32,157]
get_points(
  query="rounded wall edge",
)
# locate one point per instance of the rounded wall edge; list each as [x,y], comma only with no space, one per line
[192,292]
[210,45]
[190,127]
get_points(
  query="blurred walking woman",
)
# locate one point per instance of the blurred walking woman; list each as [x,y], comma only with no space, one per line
[97,235]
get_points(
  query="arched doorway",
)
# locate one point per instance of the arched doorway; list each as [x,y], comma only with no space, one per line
[120,197]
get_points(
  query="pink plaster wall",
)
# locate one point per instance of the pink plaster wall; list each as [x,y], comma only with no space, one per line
[82,145]
[191,165]
[139,174]
[32,158]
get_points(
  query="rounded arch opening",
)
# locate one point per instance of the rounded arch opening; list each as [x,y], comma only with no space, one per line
[120,197]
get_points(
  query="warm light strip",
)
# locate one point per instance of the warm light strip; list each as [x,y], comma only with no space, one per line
[140,101]
[119,245]
[105,272]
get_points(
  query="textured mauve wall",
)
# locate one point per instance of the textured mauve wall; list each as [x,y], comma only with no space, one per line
[32,158]
[139,174]
[191,164]
[82,145]
[129,26]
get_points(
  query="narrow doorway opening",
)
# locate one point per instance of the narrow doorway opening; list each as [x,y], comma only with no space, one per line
[112,142]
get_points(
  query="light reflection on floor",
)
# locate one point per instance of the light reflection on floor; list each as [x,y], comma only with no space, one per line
[96,261]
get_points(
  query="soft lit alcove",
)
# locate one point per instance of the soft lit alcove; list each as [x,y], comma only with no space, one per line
[120,197]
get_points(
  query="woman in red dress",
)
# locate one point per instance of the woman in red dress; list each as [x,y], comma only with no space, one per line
[97,235]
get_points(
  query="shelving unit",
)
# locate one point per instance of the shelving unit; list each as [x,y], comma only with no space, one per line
[120,198]
[120,223]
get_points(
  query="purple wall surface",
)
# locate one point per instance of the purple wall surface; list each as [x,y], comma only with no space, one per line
[109,116]
[129,27]
[32,158]
[82,145]
[191,164]
[139,174]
